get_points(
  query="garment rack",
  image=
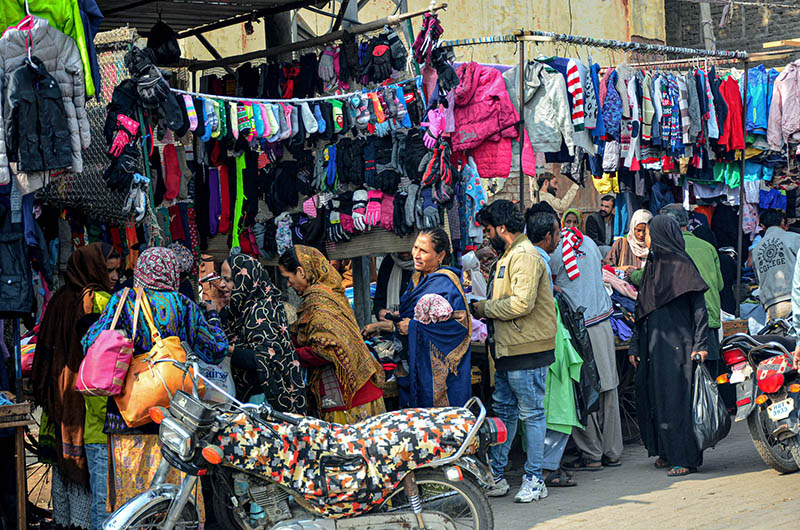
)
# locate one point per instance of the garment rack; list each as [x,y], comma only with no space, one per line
[523,35]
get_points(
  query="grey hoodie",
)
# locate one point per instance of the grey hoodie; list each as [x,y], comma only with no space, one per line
[774,259]
[547,114]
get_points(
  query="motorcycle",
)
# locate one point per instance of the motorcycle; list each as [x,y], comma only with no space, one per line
[767,392]
[414,468]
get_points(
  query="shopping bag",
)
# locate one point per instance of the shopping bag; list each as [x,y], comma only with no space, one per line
[221,375]
[710,419]
[105,366]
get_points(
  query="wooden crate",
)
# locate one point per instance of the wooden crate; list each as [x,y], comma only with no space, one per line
[15,415]
[731,327]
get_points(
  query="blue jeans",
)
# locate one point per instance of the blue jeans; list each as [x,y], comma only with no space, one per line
[97,457]
[519,395]
[554,445]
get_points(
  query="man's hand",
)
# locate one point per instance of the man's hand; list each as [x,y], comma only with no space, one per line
[797,357]
[557,289]
[634,360]
[702,354]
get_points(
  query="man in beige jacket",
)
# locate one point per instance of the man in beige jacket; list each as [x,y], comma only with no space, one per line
[548,189]
[521,318]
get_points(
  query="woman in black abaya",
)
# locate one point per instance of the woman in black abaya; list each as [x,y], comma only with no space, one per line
[671,328]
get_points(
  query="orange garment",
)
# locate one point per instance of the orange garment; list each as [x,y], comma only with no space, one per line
[708,211]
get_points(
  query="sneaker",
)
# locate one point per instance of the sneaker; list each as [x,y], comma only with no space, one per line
[533,489]
[499,489]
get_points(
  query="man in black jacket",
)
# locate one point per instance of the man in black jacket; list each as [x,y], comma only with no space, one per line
[600,225]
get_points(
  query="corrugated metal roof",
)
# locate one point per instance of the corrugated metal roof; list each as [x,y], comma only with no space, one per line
[182,15]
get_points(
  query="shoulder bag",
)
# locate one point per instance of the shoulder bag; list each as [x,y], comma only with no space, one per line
[150,383]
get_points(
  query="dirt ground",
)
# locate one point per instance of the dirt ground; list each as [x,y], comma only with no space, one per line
[734,489]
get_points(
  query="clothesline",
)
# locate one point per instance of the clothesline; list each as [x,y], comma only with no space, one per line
[479,40]
[347,95]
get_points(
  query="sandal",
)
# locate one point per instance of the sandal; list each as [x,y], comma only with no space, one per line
[680,471]
[582,464]
[608,462]
[560,479]
[661,463]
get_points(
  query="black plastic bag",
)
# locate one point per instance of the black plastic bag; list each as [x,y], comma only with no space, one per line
[587,391]
[710,420]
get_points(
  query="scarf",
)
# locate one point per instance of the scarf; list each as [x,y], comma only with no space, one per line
[183,256]
[326,323]
[59,354]
[255,318]
[571,239]
[639,248]
[669,272]
[157,269]
[395,281]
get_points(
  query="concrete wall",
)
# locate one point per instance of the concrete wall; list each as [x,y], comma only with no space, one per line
[748,27]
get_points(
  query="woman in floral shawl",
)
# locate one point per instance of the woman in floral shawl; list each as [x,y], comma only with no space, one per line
[344,377]
[262,350]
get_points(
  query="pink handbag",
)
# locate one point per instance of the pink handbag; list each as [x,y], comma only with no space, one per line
[103,369]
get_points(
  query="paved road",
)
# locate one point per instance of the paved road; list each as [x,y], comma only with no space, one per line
[734,489]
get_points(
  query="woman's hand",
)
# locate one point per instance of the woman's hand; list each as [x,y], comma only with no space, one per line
[402,326]
[634,360]
[230,348]
[372,329]
[211,305]
[382,314]
[702,354]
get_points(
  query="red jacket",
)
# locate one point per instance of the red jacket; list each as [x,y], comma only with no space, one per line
[484,119]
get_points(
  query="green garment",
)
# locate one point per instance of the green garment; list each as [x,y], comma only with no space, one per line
[64,15]
[706,259]
[237,209]
[559,395]
[96,405]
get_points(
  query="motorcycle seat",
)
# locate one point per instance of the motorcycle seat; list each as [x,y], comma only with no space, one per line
[786,342]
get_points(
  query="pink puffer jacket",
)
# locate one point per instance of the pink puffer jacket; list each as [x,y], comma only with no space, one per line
[483,109]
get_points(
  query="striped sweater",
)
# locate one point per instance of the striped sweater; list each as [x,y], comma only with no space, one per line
[569,69]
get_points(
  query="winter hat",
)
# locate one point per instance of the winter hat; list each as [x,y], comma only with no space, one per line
[190,111]
[309,121]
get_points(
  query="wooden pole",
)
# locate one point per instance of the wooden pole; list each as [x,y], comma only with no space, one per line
[521,89]
[22,486]
[741,194]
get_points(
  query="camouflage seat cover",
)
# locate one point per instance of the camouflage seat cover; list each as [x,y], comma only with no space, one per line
[345,470]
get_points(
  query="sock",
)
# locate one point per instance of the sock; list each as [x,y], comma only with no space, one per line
[320,120]
[215,118]
[294,115]
[172,172]
[234,115]
[273,113]
[287,112]
[309,120]
[257,120]
[190,111]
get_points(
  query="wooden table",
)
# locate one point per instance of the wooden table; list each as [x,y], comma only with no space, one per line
[18,416]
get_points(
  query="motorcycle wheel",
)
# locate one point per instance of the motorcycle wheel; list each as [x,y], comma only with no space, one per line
[795,448]
[154,518]
[463,501]
[770,449]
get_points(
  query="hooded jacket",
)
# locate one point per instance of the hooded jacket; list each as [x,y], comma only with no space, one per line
[62,60]
[483,110]
[546,109]
[784,111]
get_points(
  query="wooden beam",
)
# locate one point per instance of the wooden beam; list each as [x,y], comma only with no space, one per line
[337,23]
[213,51]
[781,43]
[253,15]
[315,42]
[361,290]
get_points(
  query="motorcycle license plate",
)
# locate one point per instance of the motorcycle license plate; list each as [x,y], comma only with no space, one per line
[780,410]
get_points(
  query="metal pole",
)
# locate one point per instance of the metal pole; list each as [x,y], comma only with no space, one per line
[741,194]
[17,361]
[521,88]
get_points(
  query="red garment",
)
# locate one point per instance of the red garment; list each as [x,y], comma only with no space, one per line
[176,228]
[172,172]
[732,136]
[194,236]
[708,211]
[365,394]
[225,200]
[483,109]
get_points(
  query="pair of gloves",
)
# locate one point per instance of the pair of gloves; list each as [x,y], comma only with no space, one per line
[325,175]
[125,133]
[119,174]
[385,53]
[427,38]
[437,122]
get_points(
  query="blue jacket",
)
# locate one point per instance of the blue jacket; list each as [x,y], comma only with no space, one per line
[759,95]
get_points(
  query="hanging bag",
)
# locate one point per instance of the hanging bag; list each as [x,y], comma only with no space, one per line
[710,419]
[151,384]
[103,369]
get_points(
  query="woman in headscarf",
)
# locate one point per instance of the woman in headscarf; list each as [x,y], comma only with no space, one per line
[185,261]
[572,218]
[134,452]
[437,353]
[72,427]
[262,353]
[344,378]
[671,328]
[631,251]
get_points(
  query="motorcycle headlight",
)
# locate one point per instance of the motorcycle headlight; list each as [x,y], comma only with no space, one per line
[177,438]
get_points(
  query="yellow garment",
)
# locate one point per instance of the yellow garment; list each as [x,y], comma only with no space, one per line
[608,183]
